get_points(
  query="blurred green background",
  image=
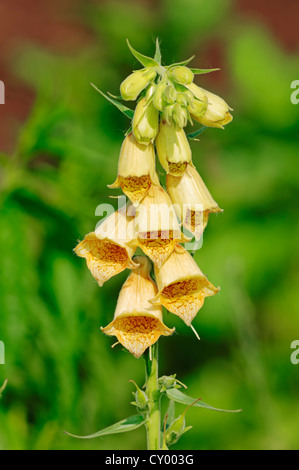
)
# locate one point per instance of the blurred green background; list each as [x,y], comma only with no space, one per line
[55,165]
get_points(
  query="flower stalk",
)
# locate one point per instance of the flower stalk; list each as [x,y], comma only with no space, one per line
[153,418]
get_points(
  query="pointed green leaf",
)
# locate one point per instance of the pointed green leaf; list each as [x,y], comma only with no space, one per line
[128,424]
[143,59]
[126,111]
[116,97]
[157,56]
[196,133]
[185,62]
[180,397]
[200,71]
[2,388]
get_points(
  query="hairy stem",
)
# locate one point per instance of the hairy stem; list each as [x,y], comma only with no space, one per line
[153,393]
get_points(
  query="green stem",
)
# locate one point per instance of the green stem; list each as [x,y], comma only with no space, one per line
[153,393]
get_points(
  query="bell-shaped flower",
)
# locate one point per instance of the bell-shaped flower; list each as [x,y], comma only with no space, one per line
[136,82]
[157,230]
[137,323]
[108,250]
[192,200]
[217,113]
[173,148]
[146,119]
[136,169]
[182,286]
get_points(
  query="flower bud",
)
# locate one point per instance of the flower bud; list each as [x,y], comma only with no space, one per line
[158,100]
[192,200]
[173,148]
[197,108]
[167,382]
[137,324]
[141,400]
[189,96]
[181,74]
[184,99]
[182,286]
[136,82]
[176,430]
[156,225]
[179,115]
[168,110]
[145,121]
[136,169]
[108,250]
[217,113]
[170,94]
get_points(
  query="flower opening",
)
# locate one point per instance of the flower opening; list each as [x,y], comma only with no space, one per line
[137,323]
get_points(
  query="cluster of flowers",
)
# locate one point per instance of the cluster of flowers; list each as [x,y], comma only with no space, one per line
[168,99]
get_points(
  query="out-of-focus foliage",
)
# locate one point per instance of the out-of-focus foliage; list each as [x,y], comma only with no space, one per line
[62,374]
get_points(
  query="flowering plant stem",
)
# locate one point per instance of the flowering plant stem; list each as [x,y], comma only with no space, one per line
[152,390]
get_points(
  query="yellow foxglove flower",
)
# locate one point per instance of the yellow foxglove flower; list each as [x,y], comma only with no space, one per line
[136,169]
[192,200]
[182,286]
[138,324]
[108,250]
[136,82]
[156,226]
[173,148]
[146,119]
[217,113]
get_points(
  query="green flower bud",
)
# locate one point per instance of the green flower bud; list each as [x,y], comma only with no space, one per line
[176,430]
[183,99]
[136,82]
[177,427]
[179,115]
[145,121]
[173,148]
[189,96]
[141,400]
[167,381]
[181,74]
[168,110]
[170,94]
[158,100]
[197,108]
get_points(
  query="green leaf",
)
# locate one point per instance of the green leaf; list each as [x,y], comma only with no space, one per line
[143,59]
[185,62]
[180,397]
[158,56]
[124,109]
[116,97]
[170,413]
[196,133]
[128,424]
[200,71]
[3,387]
